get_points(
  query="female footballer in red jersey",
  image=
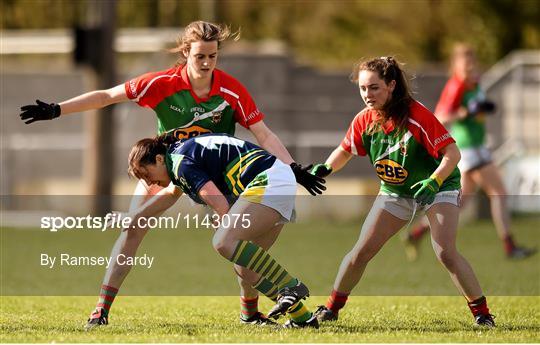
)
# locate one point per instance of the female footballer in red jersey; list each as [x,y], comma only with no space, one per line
[416,160]
[189,99]
[463,106]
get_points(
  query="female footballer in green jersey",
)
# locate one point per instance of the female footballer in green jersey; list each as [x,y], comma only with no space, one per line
[416,160]
[192,98]
[463,106]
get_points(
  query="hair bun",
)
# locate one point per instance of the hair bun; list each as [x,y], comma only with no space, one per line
[388,59]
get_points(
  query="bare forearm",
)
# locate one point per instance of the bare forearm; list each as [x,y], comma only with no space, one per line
[338,159]
[449,161]
[211,196]
[273,145]
[270,142]
[87,101]
[218,204]
[160,202]
[93,100]
[448,118]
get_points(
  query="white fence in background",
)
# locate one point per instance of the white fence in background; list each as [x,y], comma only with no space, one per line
[63,41]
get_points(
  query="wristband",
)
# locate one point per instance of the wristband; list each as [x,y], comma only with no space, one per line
[437,179]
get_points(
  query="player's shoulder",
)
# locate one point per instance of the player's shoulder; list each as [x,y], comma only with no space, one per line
[365,117]
[172,72]
[229,84]
[226,77]
[419,111]
[454,84]
[166,76]
[155,84]
[423,124]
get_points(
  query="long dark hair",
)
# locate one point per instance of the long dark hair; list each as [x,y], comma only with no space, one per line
[144,152]
[397,108]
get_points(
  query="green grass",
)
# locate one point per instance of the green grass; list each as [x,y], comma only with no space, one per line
[396,301]
[186,265]
[214,320]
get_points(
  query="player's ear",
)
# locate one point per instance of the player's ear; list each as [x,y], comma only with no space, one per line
[160,159]
[392,85]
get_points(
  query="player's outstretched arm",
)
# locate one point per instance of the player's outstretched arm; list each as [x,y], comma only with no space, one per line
[160,202]
[269,141]
[448,118]
[88,101]
[94,100]
[338,159]
[313,183]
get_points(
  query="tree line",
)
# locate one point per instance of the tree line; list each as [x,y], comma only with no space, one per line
[328,34]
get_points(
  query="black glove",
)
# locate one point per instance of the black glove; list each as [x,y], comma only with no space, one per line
[41,111]
[312,183]
[475,107]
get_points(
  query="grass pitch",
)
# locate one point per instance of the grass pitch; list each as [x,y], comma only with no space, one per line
[215,320]
[396,301]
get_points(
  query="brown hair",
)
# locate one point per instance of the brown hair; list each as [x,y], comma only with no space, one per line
[397,109]
[201,31]
[144,152]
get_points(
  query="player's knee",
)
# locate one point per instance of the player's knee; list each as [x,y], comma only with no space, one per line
[358,259]
[221,245]
[447,257]
[134,237]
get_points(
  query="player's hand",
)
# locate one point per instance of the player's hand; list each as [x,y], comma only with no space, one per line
[40,111]
[475,107]
[321,170]
[313,184]
[426,191]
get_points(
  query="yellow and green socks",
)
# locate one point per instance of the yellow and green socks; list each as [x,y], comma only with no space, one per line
[268,289]
[298,312]
[253,257]
[274,276]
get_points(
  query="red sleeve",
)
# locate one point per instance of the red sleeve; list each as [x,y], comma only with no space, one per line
[246,112]
[427,130]
[145,91]
[450,98]
[352,142]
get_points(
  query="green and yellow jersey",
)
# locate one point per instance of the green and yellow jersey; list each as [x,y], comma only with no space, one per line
[231,163]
